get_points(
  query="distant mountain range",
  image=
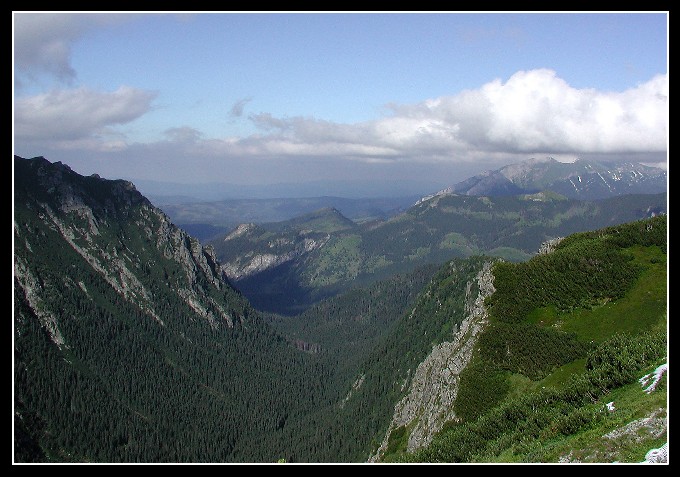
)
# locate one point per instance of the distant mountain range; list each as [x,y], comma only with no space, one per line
[284,267]
[585,180]
[205,220]
[164,193]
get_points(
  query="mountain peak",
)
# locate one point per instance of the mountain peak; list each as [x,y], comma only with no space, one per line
[57,185]
[327,219]
[581,179]
[539,160]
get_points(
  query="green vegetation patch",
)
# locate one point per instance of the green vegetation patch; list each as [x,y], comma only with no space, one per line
[375,263]
[534,427]
[547,313]
[397,443]
[643,306]
[458,243]
[509,253]
[576,277]
[339,260]
[528,349]
[419,253]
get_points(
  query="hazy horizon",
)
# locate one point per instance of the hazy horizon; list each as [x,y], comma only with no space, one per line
[298,97]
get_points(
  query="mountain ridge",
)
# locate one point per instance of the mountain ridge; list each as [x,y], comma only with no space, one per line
[581,179]
[206,220]
[553,375]
[432,231]
[128,337]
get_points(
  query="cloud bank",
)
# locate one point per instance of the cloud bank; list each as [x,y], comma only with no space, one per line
[532,113]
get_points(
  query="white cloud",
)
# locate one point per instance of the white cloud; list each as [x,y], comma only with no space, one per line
[76,114]
[43,41]
[533,114]
[537,111]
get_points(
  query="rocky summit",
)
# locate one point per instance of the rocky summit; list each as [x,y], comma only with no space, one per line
[581,179]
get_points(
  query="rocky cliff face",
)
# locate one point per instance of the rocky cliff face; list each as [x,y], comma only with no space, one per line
[117,232]
[269,253]
[429,401]
[549,245]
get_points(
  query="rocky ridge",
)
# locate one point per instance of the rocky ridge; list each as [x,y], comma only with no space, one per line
[429,401]
[581,179]
[283,250]
[64,203]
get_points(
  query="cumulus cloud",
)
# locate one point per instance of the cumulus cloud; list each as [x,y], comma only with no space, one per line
[533,111]
[43,41]
[77,114]
[536,110]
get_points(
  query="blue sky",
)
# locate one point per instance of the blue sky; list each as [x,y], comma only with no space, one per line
[260,98]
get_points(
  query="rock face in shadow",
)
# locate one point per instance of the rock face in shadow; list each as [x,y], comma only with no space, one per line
[119,233]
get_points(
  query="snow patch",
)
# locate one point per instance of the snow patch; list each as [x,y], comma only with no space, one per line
[657,456]
[657,374]
[603,180]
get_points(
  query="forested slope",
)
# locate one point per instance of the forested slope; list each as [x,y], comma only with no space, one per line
[129,344]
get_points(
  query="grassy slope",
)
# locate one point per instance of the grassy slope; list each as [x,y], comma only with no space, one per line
[637,311]
[631,404]
[580,429]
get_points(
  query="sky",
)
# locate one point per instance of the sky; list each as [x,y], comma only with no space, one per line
[295,97]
